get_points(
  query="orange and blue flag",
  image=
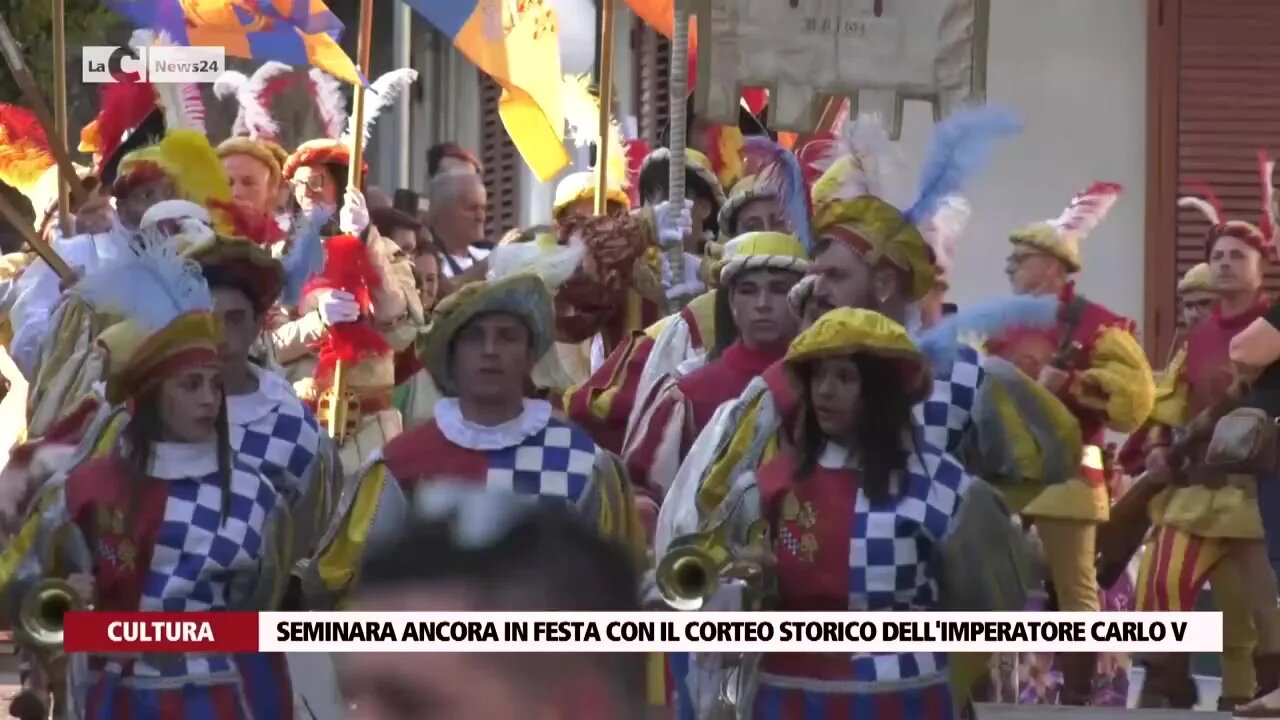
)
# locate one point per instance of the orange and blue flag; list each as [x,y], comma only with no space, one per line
[515,42]
[294,32]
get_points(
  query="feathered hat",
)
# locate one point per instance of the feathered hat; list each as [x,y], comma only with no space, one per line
[255,132]
[723,142]
[1198,279]
[168,326]
[522,279]
[27,164]
[187,159]
[1261,236]
[133,115]
[334,150]
[1061,237]
[849,200]
[582,115]
[241,255]
[773,172]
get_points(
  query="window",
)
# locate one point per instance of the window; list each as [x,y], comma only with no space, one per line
[502,163]
[1213,101]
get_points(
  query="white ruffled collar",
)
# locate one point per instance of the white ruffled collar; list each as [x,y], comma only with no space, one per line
[835,457]
[461,431]
[273,391]
[176,461]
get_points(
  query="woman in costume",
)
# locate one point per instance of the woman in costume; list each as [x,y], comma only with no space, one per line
[858,481]
[162,515]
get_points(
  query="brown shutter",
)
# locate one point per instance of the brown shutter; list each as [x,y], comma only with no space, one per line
[652,83]
[1214,99]
[501,163]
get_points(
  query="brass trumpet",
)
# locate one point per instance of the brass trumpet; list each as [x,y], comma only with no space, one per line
[695,565]
[40,616]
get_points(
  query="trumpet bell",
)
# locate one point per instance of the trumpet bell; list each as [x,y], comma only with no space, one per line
[689,574]
[41,615]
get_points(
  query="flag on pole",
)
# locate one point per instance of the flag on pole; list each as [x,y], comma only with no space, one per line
[294,32]
[515,42]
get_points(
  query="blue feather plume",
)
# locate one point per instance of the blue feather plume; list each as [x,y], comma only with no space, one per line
[306,254]
[782,168]
[991,318]
[962,146]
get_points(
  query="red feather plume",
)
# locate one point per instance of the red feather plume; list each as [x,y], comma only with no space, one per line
[347,267]
[260,228]
[123,107]
[24,148]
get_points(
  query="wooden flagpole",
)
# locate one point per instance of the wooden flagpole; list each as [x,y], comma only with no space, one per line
[338,403]
[60,112]
[606,104]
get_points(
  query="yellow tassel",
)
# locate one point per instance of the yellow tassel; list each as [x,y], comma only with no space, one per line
[582,115]
[195,166]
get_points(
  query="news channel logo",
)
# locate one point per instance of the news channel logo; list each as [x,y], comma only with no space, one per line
[160,64]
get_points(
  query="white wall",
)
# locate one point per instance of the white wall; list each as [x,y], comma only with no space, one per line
[1076,72]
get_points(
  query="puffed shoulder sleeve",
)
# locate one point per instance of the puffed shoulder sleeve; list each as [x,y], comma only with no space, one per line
[983,527]
[1171,393]
[369,514]
[609,505]
[1118,382]
[1020,431]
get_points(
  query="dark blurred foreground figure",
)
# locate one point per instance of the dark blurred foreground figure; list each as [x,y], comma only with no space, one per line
[491,552]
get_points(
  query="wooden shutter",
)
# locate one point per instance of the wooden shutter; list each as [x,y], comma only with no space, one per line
[501,163]
[1214,94]
[652,84]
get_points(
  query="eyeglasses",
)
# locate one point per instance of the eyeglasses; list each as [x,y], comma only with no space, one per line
[314,183]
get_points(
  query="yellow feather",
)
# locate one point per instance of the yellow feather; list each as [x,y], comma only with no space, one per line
[582,115]
[730,155]
[196,166]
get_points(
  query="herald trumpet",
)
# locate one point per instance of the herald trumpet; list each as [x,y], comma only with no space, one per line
[41,613]
[695,565]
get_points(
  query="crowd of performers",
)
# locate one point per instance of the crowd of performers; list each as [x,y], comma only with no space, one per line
[766,371]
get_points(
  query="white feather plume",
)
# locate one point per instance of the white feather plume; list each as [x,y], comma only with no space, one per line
[554,264]
[152,287]
[182,103]
[254,117]
[330,103]
[228,85]
[1203,207]
[867,140]
[381,95]
[945,228]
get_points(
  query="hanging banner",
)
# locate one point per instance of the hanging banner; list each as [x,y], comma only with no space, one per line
[804,51]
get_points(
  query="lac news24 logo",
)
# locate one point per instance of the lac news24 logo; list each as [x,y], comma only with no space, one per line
[159,64]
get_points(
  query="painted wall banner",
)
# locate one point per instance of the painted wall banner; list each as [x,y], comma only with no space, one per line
[882,51]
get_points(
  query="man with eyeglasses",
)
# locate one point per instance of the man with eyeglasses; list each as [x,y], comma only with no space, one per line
[491,552]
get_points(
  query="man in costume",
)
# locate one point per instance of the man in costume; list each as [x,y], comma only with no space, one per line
[363,305]
[483,342]
[757,272]
[1210,528]
[270,427]
[1093,363]
[606,401]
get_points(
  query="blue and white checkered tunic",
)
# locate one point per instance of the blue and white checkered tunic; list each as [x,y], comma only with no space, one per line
[944,417]
[203,561]
[556,464]
[891,553]
[274,432]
